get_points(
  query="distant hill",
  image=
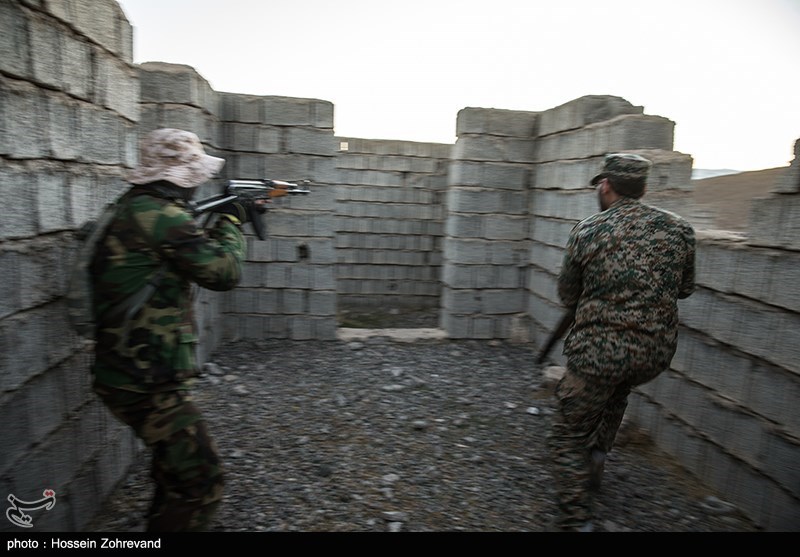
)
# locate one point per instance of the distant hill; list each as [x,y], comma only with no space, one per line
[701,173]
[729,196]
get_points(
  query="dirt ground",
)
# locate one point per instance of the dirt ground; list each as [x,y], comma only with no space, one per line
[729,197]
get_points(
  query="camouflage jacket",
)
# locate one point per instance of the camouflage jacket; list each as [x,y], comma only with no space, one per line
[153,225]
[624,270]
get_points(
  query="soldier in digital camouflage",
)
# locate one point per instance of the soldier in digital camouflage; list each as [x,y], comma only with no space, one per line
[623,271]
[144,363]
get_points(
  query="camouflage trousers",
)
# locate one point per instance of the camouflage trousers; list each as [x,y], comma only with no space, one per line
[588,415]
[185,465]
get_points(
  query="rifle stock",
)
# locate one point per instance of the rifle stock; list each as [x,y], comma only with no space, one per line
[561,329]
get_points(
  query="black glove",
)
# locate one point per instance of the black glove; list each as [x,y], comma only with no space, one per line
[238,209]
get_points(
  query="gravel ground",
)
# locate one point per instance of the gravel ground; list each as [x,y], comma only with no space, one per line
[426,436]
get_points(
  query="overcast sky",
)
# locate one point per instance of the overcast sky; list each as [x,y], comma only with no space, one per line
[727,72]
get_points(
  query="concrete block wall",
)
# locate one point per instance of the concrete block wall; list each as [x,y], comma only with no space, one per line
[289,286]
[68,127]
[389,222]
[727,408]
[486,244]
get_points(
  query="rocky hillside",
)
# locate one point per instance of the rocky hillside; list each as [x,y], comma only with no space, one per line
[728,197]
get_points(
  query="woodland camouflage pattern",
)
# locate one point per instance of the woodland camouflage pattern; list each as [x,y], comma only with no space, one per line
[623,271]
[161,338]
[144,376]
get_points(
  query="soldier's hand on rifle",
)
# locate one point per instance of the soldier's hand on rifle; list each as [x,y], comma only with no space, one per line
[237,211]
[260,205]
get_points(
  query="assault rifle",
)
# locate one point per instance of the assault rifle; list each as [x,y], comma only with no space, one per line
[563,326]
[251,191]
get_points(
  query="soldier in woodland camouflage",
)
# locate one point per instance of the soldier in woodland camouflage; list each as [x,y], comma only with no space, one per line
[623,272]
[144,365]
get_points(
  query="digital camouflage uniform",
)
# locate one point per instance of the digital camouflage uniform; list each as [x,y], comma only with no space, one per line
[623,271]
[143,372]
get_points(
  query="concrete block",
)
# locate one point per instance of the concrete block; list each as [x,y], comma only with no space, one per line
[551,232]
[463,200]
[569,174]
[11,277]
[758,330]
[44,391]
[717,264]
[46,49]
[14,410]
[545,313]
[79,74]
[235,107]
[75,379]
[582,111]
[116,85]
[502,252]
[311,141]
[466,251]
[464,226]
[542,284]
[785,329]
[775,222]
[51,206]
[102,136]
[489,175]
[165,83]
[456,326]
[781,512]
[14,40]
[668,388]
[773,394]
[103,21]
[498,302]
[253,138]
[464,302]
[23,125]
[299,167]
[288,111]
[747,439]
[65,128]
[521,151]
[293,301]
[500,227]
[492,121]
[717,367]
[693,399]
[716,421]
[181,116]
[257,275]
[640,132]
[480,148]
[482,327]
[301,328]
[781,464]
[784,278]
[414,165]
[44,259]
[322,303]
[20,205]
